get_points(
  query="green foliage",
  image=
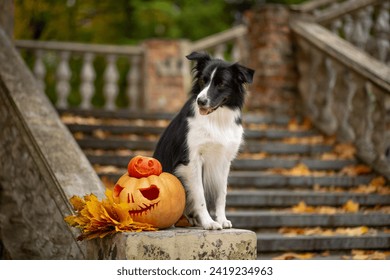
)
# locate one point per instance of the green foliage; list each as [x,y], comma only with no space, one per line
[121,21]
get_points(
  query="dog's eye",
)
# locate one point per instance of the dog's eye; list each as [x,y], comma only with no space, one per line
[220,86]
[203,81]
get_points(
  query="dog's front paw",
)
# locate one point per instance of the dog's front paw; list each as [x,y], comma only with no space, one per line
[211,225]
[226,223]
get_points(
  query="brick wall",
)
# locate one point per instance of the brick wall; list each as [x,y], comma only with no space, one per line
[272,56]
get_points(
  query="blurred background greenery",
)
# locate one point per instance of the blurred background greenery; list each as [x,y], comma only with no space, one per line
[128,21]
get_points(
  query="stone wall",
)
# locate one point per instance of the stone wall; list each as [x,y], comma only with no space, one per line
[41,167]
[166,72]
[272,56]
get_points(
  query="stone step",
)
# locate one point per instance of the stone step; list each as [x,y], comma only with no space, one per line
[117,114]
[254,219]
[274,242]
[322,255]
[269,180]
[271,134]
[287,198]
[259,180]
[278,119]
[276,148]
[241,164]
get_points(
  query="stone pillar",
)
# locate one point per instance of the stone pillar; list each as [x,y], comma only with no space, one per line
[7,16]
[167,74]
[272,56]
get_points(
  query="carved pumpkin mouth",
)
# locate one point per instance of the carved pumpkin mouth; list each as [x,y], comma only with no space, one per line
[150,193]
[143,209]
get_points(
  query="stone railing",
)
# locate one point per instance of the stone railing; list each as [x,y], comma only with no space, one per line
[364,23]
[230,44]
[62,56]
[345,90]
[89,70]
[41,167]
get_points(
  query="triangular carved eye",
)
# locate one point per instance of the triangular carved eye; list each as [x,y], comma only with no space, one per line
[117,190]
[150,193]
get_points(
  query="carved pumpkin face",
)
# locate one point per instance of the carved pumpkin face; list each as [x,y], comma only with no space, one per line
[156,200]
[140,166]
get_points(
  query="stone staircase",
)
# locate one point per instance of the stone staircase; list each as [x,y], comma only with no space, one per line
[302,193]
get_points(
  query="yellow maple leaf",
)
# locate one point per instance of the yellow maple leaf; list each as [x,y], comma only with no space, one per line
[97,218]
[351,206]
[378,182]
[302,208]
[294,256]
[299,170]
[353,170]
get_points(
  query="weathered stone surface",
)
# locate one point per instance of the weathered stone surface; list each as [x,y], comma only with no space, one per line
[7,16]
[272,52]
[167,70]
[41,167]
[178,243]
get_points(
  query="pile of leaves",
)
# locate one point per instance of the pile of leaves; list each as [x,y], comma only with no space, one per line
[349,207]
[97,218]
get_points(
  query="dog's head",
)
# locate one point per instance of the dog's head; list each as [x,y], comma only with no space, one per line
[218,83]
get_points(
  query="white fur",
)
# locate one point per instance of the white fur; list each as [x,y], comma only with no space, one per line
[213,141]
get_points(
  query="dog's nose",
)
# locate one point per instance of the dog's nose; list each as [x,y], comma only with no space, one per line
[202,101]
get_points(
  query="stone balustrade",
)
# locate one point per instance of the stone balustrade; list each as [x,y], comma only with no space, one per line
[139,62]
[345,91]
[364,23]
[63,58]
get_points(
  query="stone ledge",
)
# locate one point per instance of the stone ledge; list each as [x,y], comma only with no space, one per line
[177,244]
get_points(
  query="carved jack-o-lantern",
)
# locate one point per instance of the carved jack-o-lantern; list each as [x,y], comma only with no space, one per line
[140,166]
[158,200]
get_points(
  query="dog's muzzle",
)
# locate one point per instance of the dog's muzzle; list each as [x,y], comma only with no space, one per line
[204,107]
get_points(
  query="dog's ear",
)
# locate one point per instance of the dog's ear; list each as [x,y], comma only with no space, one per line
[245,75]
[198,56]
[201,59]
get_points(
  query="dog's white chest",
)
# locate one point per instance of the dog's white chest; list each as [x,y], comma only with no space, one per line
[215,135]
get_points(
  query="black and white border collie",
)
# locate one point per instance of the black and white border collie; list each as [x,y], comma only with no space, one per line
[205,136]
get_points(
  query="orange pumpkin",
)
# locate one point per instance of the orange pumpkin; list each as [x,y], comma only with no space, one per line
[140,166]
[156,200]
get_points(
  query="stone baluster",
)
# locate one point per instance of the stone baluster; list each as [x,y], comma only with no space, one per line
[304,70]
[111,77]
[367,23]
[361,120]
[63,76]
[87,87]
[335,27]
[358,38]
[348,27]
[220,51]
[327,119]
[40,69]
[382,27]
[316,60]
[132,78]
[380,135]
[346,133]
